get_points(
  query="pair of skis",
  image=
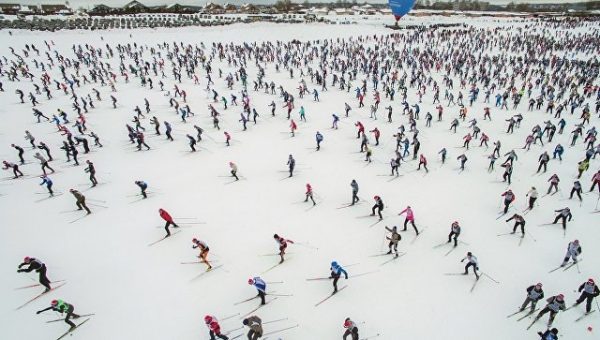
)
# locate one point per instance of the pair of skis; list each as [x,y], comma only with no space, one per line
[39,295]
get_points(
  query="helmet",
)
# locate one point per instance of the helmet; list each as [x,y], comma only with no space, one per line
[576,241]
[275,236]
[230,163]
[560,297]
[71,190]
[469,254]
[195,240]
[539,284]
[27,259]
[251,281]
[334,264]
[54,302]
[376,197]
[590,281]
[208,319]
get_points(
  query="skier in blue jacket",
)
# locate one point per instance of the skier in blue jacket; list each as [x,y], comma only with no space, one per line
[336,273]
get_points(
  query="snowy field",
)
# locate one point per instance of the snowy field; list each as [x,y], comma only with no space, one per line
[143,292]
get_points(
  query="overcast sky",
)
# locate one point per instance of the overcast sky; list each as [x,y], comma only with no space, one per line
[114,3]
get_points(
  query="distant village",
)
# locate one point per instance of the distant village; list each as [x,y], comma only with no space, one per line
[137,15]
[287,6]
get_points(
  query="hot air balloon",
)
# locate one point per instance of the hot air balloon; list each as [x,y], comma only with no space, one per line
[401,7]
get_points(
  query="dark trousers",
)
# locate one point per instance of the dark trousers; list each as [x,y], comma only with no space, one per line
[376,206]
[233,173]
[93,179]
[506,206]
[262,295]
[44,281]
[531,202]
[335,281]
[517,224]
[470,264]
[544,311]
[588,303]
[577,191]
[219,335]
[564,220]
[44,166]
[354,197]
[167,224]
[144,193]
[406,221]
[70,315]
[252,335]
[353,333]
[527,301]
[455,238]
[81,205]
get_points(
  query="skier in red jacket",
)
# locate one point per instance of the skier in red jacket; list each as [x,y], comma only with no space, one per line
[165,216]
[214,328]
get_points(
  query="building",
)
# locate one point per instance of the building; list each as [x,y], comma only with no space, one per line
[10,9]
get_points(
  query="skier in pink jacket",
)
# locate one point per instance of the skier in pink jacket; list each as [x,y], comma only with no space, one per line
[410,217]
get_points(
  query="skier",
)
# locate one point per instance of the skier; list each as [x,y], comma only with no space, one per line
[549,334]
[283,243]
[471,262]
[203,251]
[309,194]
[563,215]
[214,329]
[394,239]
[379,206]
[62,307]
[43,162]
[168,220]
[319,138]
[48,182]
[255,325]
[234,170]
[351,329]
[555,304]
[336,273]
[534,294]
[354,186]
[143,186]
[261,288]
[20,152]
[454,231]
[394,165]
[291,163]
[39,267]
[14,167]
[519,221]
[573,250]
[227,138]
[589,290]
[533,195]
[463,159]
[92,171]
[410,217]
[80,200]
[192,142]
[509,197]
[423,161]
[443,153]
[554,180]
[576,189]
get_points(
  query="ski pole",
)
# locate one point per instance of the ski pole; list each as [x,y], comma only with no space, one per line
[491,278]
[231,316]
[272,321]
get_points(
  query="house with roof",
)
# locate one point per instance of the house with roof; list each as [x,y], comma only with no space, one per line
[9,9]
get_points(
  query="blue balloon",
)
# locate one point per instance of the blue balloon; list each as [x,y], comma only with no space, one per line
[401,7]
